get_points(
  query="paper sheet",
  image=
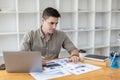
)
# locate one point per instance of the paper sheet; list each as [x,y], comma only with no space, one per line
[80,68]
[64,69]
[46,75]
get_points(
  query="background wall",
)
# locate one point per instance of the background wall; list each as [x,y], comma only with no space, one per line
[92,25]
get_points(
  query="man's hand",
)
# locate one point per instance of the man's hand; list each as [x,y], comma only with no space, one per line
[75,59]
[43,60]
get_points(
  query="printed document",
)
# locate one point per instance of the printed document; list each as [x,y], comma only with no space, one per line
[80,68]
[63,69]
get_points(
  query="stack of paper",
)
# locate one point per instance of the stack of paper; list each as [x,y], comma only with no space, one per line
[63,69]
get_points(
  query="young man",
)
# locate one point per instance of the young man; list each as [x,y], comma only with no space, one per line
[48,40]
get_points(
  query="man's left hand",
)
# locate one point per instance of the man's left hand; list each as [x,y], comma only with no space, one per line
[75,59]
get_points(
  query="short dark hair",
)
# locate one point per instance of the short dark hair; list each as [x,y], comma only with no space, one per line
[50,12]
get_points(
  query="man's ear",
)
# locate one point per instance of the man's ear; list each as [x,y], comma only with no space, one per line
[42,19]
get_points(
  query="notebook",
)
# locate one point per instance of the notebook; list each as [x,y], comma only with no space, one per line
[23,62]
[96,57]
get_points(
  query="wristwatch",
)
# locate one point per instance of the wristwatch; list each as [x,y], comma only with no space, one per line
[75,55]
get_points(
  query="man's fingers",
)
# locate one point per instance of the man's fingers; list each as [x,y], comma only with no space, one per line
[74,59]
[43,60]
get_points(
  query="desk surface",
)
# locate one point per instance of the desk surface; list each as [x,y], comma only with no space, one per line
[103,74]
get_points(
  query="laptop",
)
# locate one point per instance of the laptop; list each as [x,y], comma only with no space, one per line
[22,62]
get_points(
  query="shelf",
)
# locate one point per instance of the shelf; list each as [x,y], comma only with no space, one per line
[115,5]
[7,5]
[8,33]
[100,28]
[27,5]
[116,11]
[67,5]
[115,35]
[114,44]
[82,29]
[1,54]
[67,21]
[101,38]
[8,43]
[1,58]
[92,25]
[102,51]
[5,12]
[85,47]
[102,5]
[89,51]
[85,39]
[69,30]
[85,5]
[84,11]
[102,20]
[114,48]
[115,27]
[28,22]
[47,3]
[115,20]
[28,12]
[8,22]
[85,21]
[100,46]
[20,37]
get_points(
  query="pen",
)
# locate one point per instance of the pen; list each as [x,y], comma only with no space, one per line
[113,58]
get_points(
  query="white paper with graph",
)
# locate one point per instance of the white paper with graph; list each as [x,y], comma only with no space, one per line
[64,69]
[80,68]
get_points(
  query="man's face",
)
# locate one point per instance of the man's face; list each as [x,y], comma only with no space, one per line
[50,24]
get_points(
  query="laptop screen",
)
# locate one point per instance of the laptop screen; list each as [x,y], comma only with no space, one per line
[22,61]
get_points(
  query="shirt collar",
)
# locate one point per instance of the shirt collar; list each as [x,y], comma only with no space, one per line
[42,34]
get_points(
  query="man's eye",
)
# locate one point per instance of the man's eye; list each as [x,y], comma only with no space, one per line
[52,23]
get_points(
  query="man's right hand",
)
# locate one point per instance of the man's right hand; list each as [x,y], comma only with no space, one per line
[43,60]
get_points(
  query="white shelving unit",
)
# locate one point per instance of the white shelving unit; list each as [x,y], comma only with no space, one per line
[92,25]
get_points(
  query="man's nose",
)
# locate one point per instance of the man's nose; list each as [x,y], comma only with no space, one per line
[54,26]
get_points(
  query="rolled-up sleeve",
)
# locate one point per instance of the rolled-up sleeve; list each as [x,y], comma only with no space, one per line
[67,44]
